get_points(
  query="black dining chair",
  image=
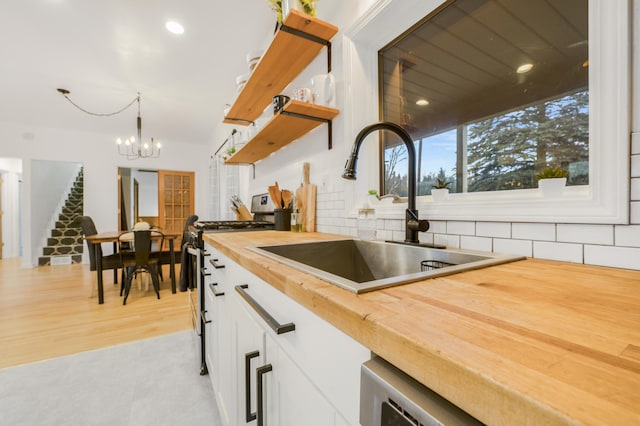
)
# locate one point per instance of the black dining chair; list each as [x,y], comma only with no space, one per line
[110,261]
[137,260]
[164,256]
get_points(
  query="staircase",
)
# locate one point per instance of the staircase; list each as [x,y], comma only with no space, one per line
[65,244]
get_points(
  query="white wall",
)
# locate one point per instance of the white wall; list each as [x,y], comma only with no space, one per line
[101,161]
[11,175]
[603,244]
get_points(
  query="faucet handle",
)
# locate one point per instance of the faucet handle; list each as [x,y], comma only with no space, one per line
[421,225]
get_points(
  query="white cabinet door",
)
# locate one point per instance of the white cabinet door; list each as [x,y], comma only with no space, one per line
[290,399]
[249,355]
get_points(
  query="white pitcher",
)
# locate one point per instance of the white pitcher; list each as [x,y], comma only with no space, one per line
[324,90]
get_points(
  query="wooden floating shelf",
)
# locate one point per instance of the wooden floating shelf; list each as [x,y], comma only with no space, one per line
[287,55]
[283,129]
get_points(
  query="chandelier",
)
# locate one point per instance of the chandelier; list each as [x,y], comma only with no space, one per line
[133,147]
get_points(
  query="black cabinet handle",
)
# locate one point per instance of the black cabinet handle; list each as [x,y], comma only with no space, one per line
[216,264]
[203,315]
[247,384]
[205,253]
[260,392]
[213,286]
[266,316]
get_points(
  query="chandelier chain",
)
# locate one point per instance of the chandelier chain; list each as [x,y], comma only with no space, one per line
[108,114]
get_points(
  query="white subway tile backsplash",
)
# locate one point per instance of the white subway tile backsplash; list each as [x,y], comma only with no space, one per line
[461,228]
[534,231]
[383,234]
[493,229]
[564,252]
[635,165]
[635,143]
[451,241]
[519,247]
[424,237]
[617,257]
[634,212]
[635,189]
[438,226]
[590,234]
[627,235]
[394,224]
[476,243]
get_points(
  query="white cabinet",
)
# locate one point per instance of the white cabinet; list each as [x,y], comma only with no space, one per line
[220,336]
[291,399]
[312,373]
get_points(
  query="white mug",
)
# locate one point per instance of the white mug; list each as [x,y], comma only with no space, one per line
[303,95]
[324,90]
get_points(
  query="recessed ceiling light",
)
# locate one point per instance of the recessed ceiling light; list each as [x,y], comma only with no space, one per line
[524,68]
[174,27]
[422,102]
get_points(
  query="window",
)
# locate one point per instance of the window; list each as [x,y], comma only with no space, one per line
[492,92]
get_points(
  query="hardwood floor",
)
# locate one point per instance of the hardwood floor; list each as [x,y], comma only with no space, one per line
[46,312]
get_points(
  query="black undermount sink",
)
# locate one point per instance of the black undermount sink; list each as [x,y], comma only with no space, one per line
[360,266]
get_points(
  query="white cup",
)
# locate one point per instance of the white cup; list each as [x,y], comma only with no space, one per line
[303,95]
[324,90]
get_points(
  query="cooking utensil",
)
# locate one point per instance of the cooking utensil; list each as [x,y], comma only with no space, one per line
[276,196]
[287,198]
[309,192]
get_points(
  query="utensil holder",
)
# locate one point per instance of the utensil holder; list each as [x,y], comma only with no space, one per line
[282,219]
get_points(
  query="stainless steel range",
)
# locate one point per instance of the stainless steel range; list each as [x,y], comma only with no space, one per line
[262,209]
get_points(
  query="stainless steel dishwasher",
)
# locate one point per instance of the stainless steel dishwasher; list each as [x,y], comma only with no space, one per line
[389,397]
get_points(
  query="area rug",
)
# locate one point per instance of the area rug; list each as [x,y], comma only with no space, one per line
[150,382]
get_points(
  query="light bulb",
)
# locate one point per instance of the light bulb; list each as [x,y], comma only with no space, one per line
[524,68]
[119,141]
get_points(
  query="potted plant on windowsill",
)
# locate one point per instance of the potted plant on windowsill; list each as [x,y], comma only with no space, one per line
[551,181]
[440,190]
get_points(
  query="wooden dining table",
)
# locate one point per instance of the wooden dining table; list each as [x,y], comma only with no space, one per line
[113,237]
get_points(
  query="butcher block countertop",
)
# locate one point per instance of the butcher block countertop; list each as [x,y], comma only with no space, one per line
[530,342]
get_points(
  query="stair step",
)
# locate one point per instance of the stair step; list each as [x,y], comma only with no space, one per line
[59,260]
[64,224]
[65,250]
[65,241]
[67,232]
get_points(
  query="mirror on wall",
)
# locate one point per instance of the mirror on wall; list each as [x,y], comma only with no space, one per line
[138,197]
[162,198]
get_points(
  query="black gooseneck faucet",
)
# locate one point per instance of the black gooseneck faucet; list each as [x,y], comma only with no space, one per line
[413,224]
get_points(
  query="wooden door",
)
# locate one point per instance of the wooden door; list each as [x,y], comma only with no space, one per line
[175,199]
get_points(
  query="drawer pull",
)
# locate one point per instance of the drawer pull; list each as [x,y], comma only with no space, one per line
[261,371]
[216,264]
[247,385]
[213,286]
[266,316]
[203,316]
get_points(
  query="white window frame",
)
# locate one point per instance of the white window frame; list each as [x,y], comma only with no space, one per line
[604,200]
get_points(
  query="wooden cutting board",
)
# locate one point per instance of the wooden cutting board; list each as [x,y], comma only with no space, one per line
[309,201]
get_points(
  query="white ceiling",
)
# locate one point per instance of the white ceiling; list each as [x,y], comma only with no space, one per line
[105,51]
